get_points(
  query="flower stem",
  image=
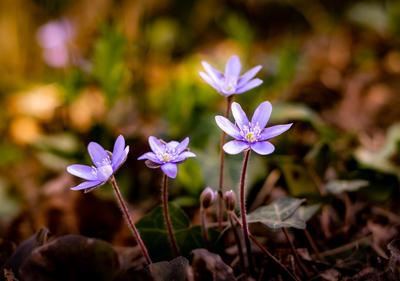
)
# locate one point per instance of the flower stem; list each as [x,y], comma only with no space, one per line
[204,228]
[167,218]
[243,213]
[220,213]
[128,219]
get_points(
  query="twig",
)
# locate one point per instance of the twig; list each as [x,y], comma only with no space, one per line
[267,253]
[220,207]
[346,247]
[238,242]
[312,244]
[295,254]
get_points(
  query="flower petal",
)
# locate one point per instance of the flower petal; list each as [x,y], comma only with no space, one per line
[182,157]
[170,169]
[104,172]
[248,76]
[99,156]
[239,115]
[249,85]
[269,133]
[235,146]
[261,114]
[156,145]
[227,127]
[262,147]
[119,146]
[120,153]
[182,145]
[87,184]
[172,144]
[214,74]
[233,67]
[117,163]
[152,165]
[210,81]
[150,156]
[83,171]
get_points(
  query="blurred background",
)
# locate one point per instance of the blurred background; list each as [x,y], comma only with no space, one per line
[72,72]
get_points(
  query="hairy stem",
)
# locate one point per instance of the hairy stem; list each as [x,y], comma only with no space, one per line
[220,213]
[243,213]
[204,227]
[128,219]
[167,218]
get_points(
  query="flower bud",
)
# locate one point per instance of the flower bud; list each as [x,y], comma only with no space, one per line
[207,197]
[230,200]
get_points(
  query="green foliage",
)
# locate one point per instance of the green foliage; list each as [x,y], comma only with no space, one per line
[298,112]
[369,14]
[190,177]
[340,186]
[298,180]
[9,206]
[9,154]
[153,231]
[162,34]
[238,28]
[280,214]
[305,213]
[383,159]
[109,63]
[53,149]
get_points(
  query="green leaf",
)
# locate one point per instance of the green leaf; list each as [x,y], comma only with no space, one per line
[382,159]
[63,143]
[307,212]
[370,15]
[293,111]
[155,236]
[109,63]
[340,186]
[298,180]
[279,214]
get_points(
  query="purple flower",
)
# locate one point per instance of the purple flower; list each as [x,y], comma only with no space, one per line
[250,135]
[166,155]
[105,165]
[55,37]
[231,82]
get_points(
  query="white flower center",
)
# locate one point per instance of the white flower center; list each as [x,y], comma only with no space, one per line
[168,155]
[251,132]
[230,84]
[103,173]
